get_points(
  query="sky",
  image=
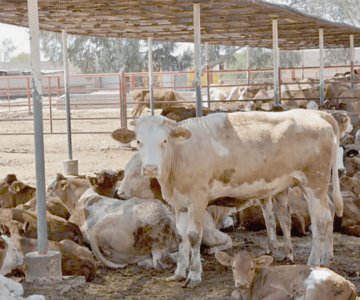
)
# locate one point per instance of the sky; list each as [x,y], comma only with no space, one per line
[18,35]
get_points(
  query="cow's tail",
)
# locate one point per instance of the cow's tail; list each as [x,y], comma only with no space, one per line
[93,240]
[336,194]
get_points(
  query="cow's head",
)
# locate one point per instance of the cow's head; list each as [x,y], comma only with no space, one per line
[244,267]
[344,122]
[156,138]
[134,184]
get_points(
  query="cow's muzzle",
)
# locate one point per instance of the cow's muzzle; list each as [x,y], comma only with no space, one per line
[150,171]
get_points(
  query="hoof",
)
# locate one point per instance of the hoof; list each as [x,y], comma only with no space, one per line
[175,277]
[191,283]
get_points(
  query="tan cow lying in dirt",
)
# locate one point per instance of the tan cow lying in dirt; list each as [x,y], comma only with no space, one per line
[14,192]
[141,97]
[256,278]
[58,228]
[75,259]
[126,232]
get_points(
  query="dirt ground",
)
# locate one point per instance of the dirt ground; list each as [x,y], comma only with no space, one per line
[99,151]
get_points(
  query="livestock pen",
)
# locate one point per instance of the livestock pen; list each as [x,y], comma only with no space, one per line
[106,94]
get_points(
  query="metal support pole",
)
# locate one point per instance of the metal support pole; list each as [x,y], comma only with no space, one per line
[276,61]
[302,64]
[247,66]
[67,94]
[152,106]
[197,59]
[38,127]
[207,74]
[50,104]
[28,93]
[123,104]
[321,71]
[352,60]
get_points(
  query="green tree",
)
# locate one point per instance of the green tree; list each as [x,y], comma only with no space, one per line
[6,49]
[21,58]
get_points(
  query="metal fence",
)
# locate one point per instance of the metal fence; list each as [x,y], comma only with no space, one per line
[101,102]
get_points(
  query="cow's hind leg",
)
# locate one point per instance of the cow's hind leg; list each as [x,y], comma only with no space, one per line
[284,217]
[184,247]
[269,217]
[320,221]
[212,238]
[328,249]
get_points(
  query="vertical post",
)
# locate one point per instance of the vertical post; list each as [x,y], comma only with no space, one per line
[352,60]
[152,107]
[321,71]
[38,127]
[50,106]
[28,93]
[302,64]
[67,94]
[207,74]
[276,61]
[247,65]
[123,108]
[197,59]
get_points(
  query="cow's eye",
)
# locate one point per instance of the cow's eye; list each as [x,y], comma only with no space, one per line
[165,141]
[139,143]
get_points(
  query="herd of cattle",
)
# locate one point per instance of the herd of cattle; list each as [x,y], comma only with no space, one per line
[187,181]
[339,91]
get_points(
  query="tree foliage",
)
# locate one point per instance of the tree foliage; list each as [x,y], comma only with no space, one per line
[6,50]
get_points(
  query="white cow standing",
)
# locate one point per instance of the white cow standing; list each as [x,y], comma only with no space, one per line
[245,156]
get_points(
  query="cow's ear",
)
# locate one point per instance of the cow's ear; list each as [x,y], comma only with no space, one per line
[64,184]
[180,134]
[264,260]
[123,135]
[60,177]
[93,180]
[224,258]
[120,175]
[17,186]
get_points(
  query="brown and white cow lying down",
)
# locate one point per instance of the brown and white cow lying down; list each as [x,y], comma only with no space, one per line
[254,152]
[256,278]
[58,228]
[162,97]
[12,290]
[14,192]
[75,259]
[126,232]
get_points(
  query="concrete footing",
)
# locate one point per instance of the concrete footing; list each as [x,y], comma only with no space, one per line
[43,267]
[71,168]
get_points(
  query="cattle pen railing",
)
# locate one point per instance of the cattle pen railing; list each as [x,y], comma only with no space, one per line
[100,101]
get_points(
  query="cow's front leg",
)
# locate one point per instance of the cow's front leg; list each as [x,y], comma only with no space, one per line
[196,213]
[184,246]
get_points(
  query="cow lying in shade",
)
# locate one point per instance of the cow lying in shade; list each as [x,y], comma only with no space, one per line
[14,192]
[256,278]
[12,290]
[126,232]
[58,228]
[75,259]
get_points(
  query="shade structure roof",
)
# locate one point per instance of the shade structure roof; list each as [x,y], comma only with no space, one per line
[224,22]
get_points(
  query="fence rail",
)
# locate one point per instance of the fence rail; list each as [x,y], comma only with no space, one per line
[101,102]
